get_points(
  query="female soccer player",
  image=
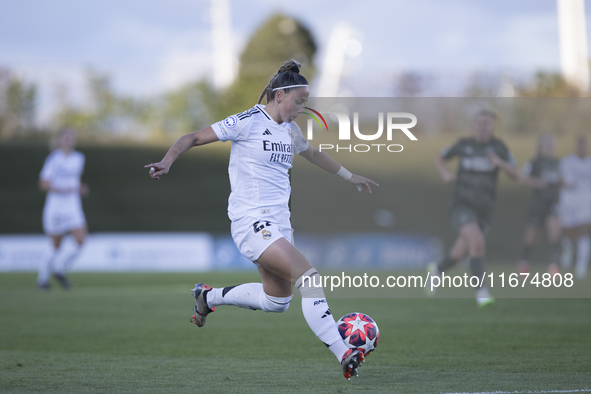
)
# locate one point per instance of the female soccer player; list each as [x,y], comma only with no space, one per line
[480,158]
[62,213]
[264,140]
[543,175]
[575,206]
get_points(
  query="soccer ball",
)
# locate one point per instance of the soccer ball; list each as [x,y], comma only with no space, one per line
[359,331]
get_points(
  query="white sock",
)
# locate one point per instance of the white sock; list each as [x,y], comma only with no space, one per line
[566,257]
[317,313]
[63,265]
[248,296]
[45,268]
[482,293]
[583,251]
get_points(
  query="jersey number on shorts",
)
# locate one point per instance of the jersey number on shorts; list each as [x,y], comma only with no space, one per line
[258,225]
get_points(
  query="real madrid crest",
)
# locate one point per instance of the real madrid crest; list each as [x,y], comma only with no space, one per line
[267,234]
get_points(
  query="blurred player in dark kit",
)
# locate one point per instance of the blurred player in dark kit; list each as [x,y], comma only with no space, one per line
[543,175]
[480,158]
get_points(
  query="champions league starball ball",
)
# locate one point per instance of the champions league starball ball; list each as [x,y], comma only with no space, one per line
[359,331]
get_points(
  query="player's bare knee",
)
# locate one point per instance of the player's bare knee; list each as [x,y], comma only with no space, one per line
[478,250]
[458,254]
[477,247]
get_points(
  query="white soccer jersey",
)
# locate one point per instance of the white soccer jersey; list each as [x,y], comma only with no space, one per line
[575,196]
[576,174]
[261,156]
[63,211]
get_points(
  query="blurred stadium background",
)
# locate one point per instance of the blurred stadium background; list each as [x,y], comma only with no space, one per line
[218,61]
[132,77]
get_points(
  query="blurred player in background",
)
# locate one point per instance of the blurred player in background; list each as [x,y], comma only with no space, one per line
[264,139]
[575,207]
[62,213]
[480,158]
[543,175]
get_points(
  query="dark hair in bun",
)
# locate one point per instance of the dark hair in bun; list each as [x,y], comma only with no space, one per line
[288,75]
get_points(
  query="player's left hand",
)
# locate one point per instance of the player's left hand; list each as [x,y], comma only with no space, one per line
[362,183]
[157,169]
[539,183]
[495,160]
[84,189]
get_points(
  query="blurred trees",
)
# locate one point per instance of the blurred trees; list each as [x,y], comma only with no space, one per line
[483,84]
[98,115]
[110,115]
[412,84]
[548,84]
[17,105]
[280,38]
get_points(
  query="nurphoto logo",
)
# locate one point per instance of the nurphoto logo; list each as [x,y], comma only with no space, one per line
[392,125]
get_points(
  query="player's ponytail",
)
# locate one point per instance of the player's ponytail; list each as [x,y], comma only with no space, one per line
[288,75]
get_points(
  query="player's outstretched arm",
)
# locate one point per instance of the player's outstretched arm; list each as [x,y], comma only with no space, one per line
[46,187]
[533,182]
[508,168]
[183,144]
[324,161]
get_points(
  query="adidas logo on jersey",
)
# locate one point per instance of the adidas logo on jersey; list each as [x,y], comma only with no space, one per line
[327,313]
[267,132]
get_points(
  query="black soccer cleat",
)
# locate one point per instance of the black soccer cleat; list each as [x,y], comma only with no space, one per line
[63,281]
[201,309]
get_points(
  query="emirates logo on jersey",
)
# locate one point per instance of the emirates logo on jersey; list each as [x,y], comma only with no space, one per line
[479,164]
[276,146]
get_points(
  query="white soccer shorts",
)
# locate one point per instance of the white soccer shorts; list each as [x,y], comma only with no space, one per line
[575,213]
[58,221]
[253,236]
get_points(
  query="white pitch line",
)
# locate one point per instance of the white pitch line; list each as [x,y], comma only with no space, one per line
[528,392]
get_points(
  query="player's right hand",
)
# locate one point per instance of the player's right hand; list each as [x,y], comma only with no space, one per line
[539,183]
[362,183]
[449,177]
[83,189]
[157,169]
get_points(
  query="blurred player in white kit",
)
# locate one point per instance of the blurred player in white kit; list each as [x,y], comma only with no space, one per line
[575,207]
[62,213]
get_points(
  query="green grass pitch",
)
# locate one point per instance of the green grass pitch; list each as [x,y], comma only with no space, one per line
[119,333]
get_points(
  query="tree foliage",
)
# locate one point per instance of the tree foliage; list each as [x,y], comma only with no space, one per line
[280,38]
[110,115]
[17,105]
[547,84]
